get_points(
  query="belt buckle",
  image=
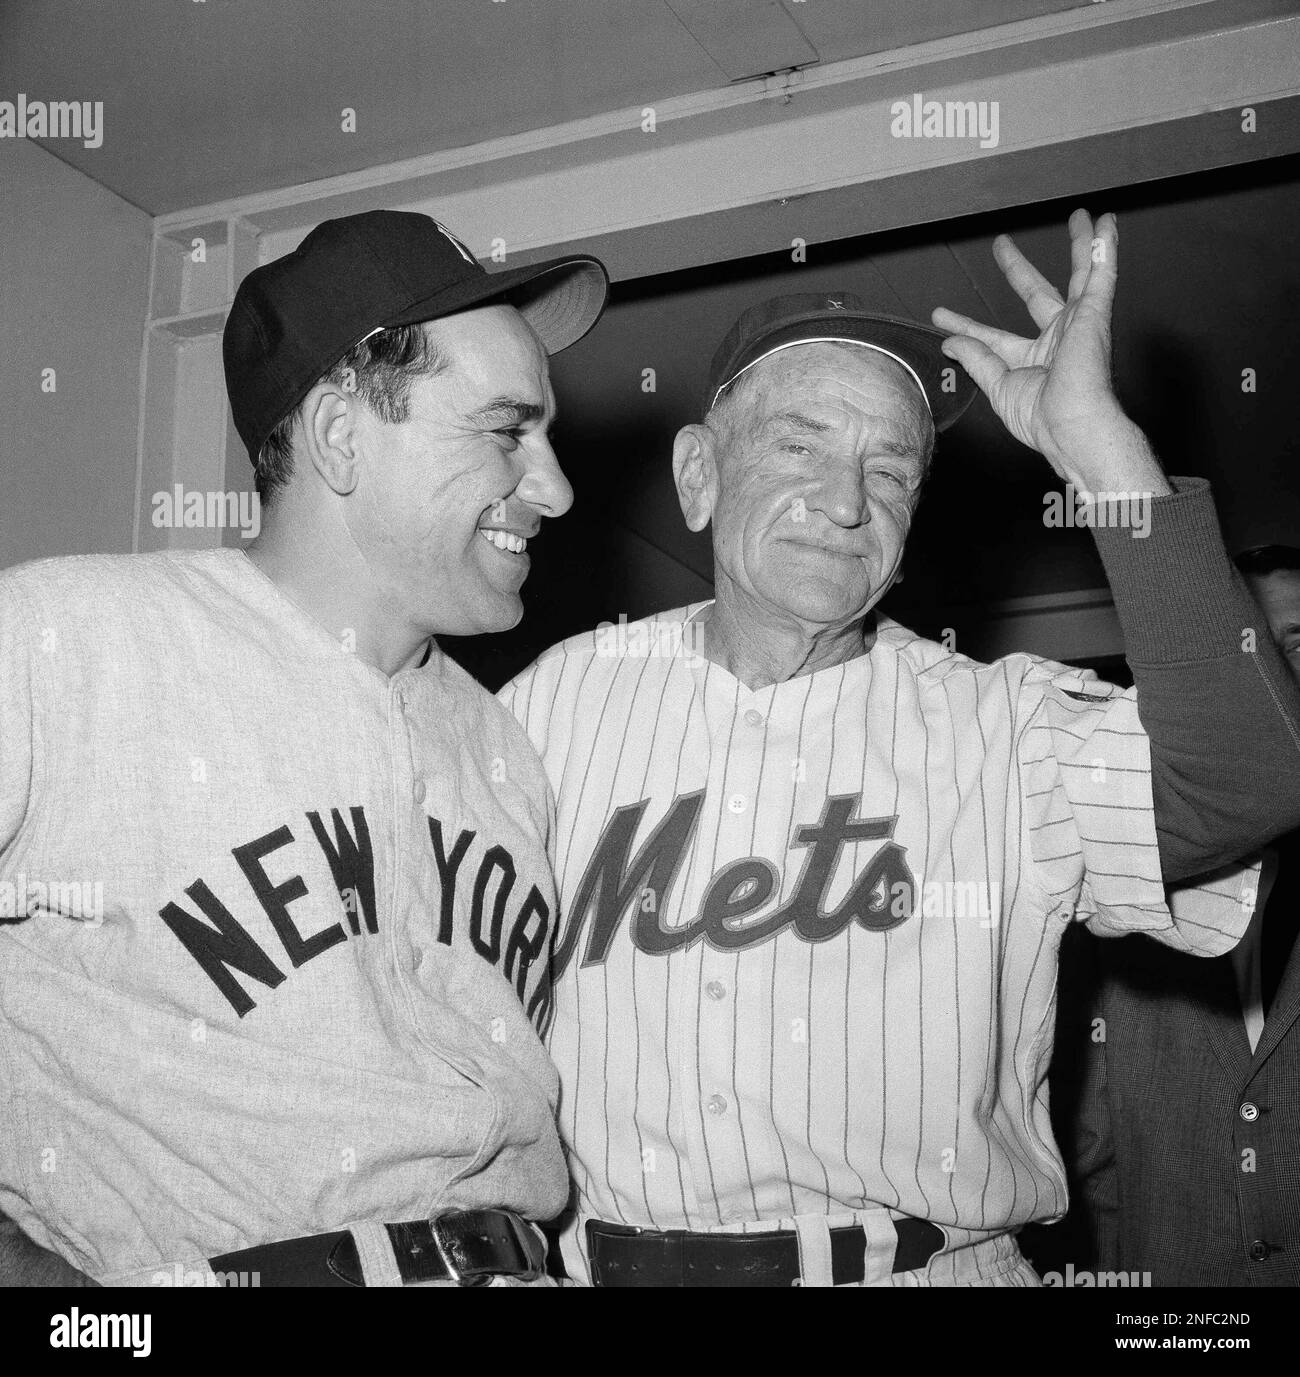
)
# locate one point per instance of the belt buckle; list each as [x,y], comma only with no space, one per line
[444,1247]
[530,1263]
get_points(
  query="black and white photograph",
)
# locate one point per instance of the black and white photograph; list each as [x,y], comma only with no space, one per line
[649,644]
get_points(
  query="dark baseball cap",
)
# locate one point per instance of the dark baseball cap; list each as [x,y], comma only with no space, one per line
[813,317]
[292,320]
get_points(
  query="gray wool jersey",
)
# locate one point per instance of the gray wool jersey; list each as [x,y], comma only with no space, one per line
[273,925]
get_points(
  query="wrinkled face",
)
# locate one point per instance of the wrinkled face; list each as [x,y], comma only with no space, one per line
[817,481]
[447,500]
[1278,595]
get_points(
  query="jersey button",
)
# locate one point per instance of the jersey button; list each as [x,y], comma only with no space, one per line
[717,1105]
[419,791]
[754,717]
[715,989]
[1249,1112]
[1259,1250]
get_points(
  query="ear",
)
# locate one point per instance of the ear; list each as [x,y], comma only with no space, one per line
[695,472]
[329,432]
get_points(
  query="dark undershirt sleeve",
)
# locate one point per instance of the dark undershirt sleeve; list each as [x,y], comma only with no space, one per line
[1214,694]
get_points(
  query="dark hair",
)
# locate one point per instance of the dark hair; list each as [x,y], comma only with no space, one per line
[380,370]
[1267,559]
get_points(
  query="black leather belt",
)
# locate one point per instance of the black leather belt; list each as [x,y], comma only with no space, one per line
[623,1256]
[466,1246]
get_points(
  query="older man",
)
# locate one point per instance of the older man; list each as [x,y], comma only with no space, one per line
[298,1021]
[814,870]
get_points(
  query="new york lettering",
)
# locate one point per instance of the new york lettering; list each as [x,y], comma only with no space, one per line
[222,946]
[529,933]
[615,881]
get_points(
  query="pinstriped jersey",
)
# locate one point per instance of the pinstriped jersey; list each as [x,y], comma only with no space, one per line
[806,959]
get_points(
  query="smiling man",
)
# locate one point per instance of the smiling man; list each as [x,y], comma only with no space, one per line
[296,1043]
[814,875]
[791,555]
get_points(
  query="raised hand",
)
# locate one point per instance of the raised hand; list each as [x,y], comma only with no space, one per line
[1054,393]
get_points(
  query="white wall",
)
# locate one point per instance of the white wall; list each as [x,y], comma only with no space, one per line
[74,279]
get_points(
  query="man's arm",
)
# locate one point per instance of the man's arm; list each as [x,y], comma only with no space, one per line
[1214,694]
[24,1263]
[1218,705]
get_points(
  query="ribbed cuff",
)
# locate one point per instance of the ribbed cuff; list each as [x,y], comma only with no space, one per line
[1178,596]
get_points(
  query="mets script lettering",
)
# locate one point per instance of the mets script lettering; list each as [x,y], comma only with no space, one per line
[615,882]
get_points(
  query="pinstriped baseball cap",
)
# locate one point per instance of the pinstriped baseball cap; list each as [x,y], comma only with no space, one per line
[841,317]
[292,320]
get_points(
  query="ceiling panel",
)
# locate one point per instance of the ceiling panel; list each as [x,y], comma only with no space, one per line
[746,38]
[209,99]
[850,28]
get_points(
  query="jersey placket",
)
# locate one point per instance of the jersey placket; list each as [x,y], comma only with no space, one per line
[410,794]
[735,719]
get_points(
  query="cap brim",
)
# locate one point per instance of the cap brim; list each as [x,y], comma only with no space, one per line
[561,299]
[948,388]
